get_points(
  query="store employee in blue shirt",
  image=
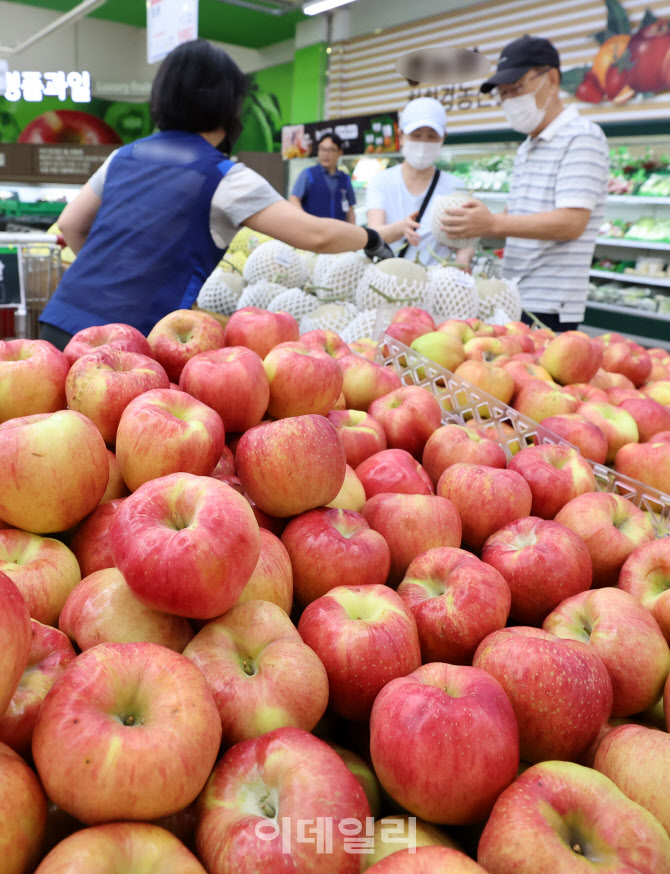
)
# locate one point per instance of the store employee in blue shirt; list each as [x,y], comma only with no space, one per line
[324,190]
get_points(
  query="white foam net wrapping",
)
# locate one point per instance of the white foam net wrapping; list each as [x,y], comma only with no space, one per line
[309,260]
[259,294]
[363,325]
[296,302]
[440,205]
[453,293]
[274,261]
[393,281]
[221,292]
[499,300]
[336,277]
[333,316]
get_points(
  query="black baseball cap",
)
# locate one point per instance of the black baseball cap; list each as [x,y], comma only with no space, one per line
[520,56]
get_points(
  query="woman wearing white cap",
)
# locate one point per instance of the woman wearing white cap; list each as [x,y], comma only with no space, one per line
[395,196]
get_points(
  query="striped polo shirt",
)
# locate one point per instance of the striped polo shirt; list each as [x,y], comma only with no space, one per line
[567,165]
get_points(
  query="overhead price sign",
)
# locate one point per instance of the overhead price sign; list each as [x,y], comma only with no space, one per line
[169,23]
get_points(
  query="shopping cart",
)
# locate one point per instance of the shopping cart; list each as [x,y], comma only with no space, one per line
[36,262]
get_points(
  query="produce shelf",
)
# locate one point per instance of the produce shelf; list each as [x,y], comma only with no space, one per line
[639,199]
[627,311]
[461,402]
[622,242]
[630,277]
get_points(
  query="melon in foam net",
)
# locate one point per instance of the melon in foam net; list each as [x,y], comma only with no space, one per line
[394,280]
[221,292]
[274,261]
[440,207]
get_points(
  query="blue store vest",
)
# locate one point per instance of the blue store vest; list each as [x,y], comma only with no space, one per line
[319,200]
[150,248]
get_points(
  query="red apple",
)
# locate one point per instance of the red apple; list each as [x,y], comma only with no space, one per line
[444,742]
[606,380]
[406,332]
[90,542]
[260,329]
[272,578]
[323,340]
[32,378]
[616,424]
[456,601]
[15,636]
[69,126]
[650,416]
[292,465]
[458,328]
[453,444]
[486,498]
[542,562]
[413,314]
[585,392]
[165,431]
[427,860]
[130,731]
[360,433]
[408,415]
[365,637]
[555,474]
[330,548]
[582,432]
[616,395]
[646,575]
[646,462]
[302,380]
[181,335]
[116,487]
[116,335]
[523,372]
[60,470]
[539,399]
[393,470]
[205,544]
[364,381]
[24,813]
[490,378]
[572,357]
[627,358]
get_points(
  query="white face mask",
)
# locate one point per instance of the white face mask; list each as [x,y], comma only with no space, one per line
[523,113]
[421,155]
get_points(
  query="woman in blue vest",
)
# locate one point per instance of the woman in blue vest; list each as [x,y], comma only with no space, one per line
[324,190]
[154,221]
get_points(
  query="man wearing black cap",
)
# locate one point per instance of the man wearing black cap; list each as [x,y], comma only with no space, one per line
[557,192]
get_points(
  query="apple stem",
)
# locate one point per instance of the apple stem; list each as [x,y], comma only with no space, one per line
[267,808]
[248,669]
[577,849]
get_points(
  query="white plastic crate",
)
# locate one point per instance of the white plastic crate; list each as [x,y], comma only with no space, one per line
[461,401]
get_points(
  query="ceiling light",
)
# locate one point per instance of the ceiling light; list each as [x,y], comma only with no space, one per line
[316,6]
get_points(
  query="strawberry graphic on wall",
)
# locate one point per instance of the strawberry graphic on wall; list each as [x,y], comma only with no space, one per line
[628,62]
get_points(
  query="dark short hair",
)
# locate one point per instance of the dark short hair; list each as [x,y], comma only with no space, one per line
[198,88]
[334,138]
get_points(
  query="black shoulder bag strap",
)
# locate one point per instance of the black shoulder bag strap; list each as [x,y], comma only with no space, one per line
[403,251]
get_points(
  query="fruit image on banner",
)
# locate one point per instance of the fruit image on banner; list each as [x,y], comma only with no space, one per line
[633,59]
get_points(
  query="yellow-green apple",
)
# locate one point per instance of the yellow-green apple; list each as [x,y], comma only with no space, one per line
[414,314]
[646,575]
[408,415]
[659,391]
[180,335]
[444,349]
[116,487]
[539,399]
[261,674]
[604,340]
[650,416]
[490,378]
[585,392]
[115,335]
[627,358]
[205,544]
[486,498]
[569,819]
[606,380]
[129,731]
[556,474]
[393,834]
[15,636]
[32,378]
[481,328]
[560,690]
[103,609]
[626,637]
[366,777]
[572,357]
[647,462]
[301,380]
[406,332]
[360,433]
[50,653]
[453,444]
[393,470]
[456,601]
[491,349]
[279,802]
[24,813]
[457,328]
[90,541]
[165,431]
[59,470]
[260,329]
[43,569]
[330,548]
[102,383]
[327,341]
[611,527]
[272,578]
[133,847]
[616,424]
[351,495]
[231,381]
[637,760]
[580,431]
[523,371]
[291,465]
[363,381]
[427,860]
[411,524]
[444,742]
[542,562]
[660,369]
[365,637]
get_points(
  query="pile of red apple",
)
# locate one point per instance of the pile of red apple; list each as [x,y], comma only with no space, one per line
[261,611]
